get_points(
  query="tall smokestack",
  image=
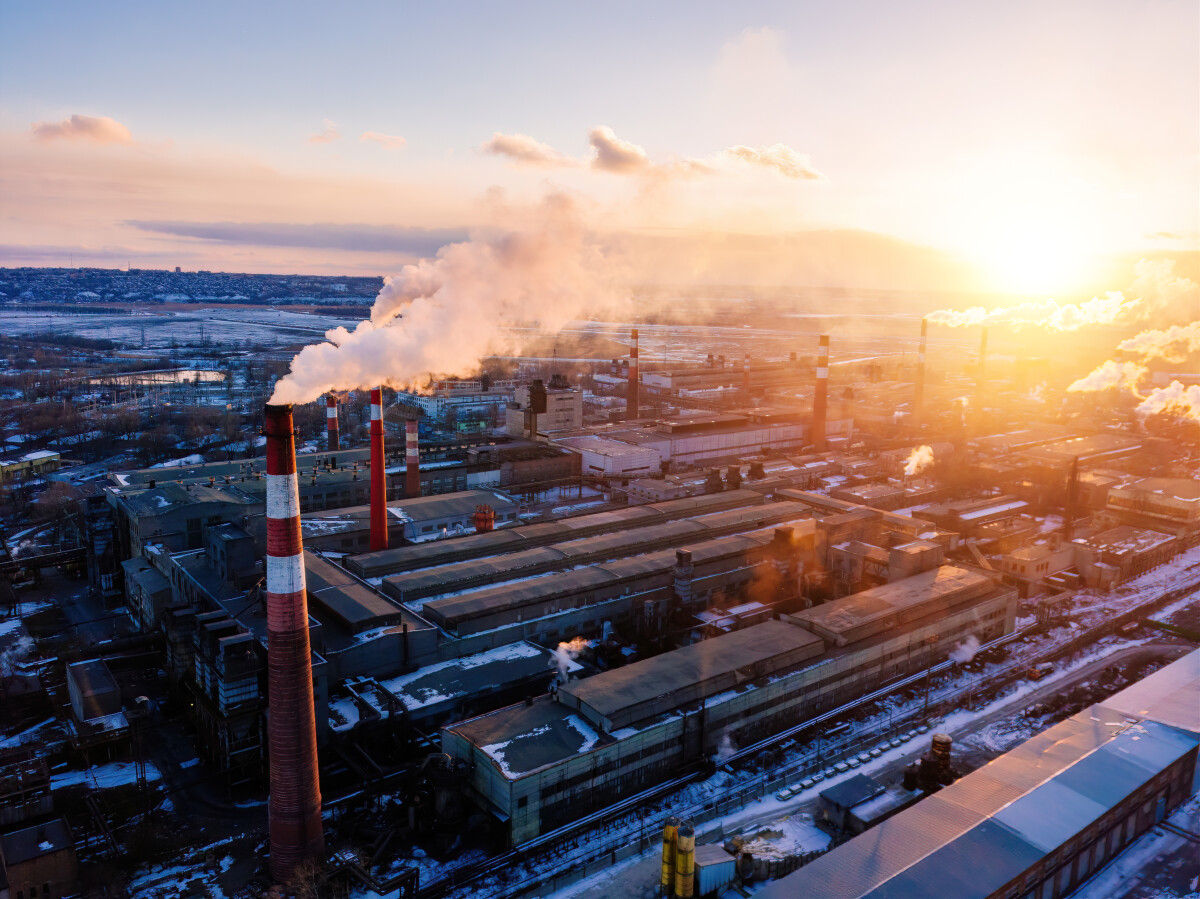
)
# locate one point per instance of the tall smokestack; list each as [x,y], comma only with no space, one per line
[746,373]
[412,460]
[820,398]
[631,404]
[331,423]
[379,537]
[295,799]
[919,388]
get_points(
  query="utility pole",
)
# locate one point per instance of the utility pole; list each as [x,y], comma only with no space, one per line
[930,641]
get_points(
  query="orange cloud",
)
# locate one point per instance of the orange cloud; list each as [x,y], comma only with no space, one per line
[612,154]
[525,150]
[97,129]
[329,132]
[387,141]
[779,157]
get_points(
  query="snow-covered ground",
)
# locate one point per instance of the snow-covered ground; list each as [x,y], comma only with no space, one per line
[104,777]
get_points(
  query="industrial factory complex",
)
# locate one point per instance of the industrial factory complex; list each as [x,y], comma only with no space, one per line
[484,613]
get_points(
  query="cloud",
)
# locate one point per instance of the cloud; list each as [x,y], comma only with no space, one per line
[525,150]
[612,154]
[329,132]
[387,141]
[98,129]
[779,157]
[361,238]
[1165,235]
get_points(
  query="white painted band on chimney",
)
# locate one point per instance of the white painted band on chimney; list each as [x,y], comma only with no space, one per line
[331,412]
[283,496]
[376,413]
[285,574]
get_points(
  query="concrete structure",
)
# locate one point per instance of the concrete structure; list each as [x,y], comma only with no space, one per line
[632,410]
[820,397]
[1039,820]
[564,411]
[175,515]
[1115,555]
[539,765]
[295,797]
[461,401]
[27,466]
[1170,502]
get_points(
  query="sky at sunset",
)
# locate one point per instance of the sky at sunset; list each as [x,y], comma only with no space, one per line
[1016,147]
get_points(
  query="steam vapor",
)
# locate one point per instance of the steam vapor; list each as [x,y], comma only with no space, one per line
[440,316]
[918,460]
[1173,398]
[1122,375]
[1046,313]
[965,651]
[566,654]
[1173,343]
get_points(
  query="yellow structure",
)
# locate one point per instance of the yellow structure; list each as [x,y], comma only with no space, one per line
[670,833]
[685,862]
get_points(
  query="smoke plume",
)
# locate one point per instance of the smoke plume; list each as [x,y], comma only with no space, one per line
[612,154]
[1045,313]
[525,150]
[1174,398]
[965,651]
[440,316]
[779,157]
[725,750]
[918,460]
[1122,375]
[1173,343]
[566,654]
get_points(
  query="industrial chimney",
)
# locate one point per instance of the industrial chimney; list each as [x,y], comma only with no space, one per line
[821,396]
[379,530]
[331,423]
[631,403]
[982,359]
[412,460]
[746,373]
[919,388]
[295,798]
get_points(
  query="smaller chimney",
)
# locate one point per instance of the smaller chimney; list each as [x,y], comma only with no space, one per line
[412,460]
[631,404]
[331,423]
[746,373]
[379,531]
[919,387]
[820,397]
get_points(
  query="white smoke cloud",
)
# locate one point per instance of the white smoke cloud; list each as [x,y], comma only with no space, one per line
[329,132]
[1044,313]
[387,141]
[965,651]
[725,750]
[1122,375]
[1174,398]
[566,653]
[918,460]
[525,150]
[440,316]
[1173,343]
[612,154]
[779,157]
[1162,293]
[97,129]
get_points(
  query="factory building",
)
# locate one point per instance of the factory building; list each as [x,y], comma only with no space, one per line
[1166,503]
[459,402]
[564,410]
[1039,820]
[175,515]
[537,765]
[520,537]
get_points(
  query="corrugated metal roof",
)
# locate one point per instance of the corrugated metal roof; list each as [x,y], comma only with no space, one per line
[1168,695]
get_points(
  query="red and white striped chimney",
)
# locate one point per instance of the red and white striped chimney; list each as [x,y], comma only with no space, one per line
[631,403]
[379,525]
[295,798]
[412,460]
[746,373]
[821,396]
[919,387]
[331,423]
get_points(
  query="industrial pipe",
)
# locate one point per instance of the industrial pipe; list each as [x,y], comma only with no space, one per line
[379,531]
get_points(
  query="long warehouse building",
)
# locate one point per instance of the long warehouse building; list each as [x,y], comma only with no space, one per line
[1041,819]
[538,765]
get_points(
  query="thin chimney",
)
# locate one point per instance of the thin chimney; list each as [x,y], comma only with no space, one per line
[295,797]
[821,396]
[982,359]
[919,388]
[746,373]
[331,423]
[412,460]
[631,403]
[379,530]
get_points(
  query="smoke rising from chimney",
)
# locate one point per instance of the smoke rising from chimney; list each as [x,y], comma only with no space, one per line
[1122,375]
[965,651]
[566,654]
[1172,398]
[918,460]
[1172,344]
[440,316]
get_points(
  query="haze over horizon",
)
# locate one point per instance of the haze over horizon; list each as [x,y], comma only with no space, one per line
[996,148]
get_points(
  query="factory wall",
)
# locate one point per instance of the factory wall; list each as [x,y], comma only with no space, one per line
[644,755]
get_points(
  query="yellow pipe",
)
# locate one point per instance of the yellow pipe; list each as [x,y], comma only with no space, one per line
[670,831]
